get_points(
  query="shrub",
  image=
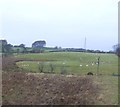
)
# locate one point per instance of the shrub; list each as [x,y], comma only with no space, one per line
[52,68]
[63,70]
[41,67]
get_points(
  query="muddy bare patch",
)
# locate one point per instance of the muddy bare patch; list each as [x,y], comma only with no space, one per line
[37,89]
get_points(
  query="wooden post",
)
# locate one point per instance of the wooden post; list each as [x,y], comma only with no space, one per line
[98,65]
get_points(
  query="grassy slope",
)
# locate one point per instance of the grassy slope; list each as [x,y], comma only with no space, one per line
[108,65]
[71,62]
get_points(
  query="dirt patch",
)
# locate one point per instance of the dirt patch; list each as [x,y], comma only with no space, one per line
[47,89]
[9,64]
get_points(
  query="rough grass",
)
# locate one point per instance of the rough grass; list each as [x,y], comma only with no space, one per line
[71,62]
[108,89]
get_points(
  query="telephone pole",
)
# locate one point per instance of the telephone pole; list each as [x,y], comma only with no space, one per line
[85,44]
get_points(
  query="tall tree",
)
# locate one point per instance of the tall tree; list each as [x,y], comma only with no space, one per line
[24,50]
[39,44]
[5,48]
[3,42]
[22,45]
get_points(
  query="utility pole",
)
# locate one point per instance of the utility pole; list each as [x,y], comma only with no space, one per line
[85,44]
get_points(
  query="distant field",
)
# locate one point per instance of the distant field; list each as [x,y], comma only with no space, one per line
[70,62]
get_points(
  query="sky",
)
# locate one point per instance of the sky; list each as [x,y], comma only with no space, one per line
[64,23]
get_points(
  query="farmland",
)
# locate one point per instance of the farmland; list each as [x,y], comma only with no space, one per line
[103,88]
[60,52]
[71,62]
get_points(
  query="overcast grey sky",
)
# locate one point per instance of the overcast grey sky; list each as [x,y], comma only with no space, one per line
[63,23]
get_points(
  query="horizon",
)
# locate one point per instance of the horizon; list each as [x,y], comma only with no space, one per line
[59,47]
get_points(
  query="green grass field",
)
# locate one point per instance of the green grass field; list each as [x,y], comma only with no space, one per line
[79,63]
[71,62]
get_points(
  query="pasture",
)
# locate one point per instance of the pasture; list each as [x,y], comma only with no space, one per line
[79,63]
[70,63]
[53,64]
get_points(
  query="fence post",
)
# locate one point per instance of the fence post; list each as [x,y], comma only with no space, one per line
[98,65]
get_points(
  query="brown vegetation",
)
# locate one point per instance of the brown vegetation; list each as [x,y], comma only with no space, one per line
[9,64]
[23,88]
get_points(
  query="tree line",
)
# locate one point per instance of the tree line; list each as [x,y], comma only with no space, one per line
[8,49]
[39,47]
